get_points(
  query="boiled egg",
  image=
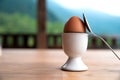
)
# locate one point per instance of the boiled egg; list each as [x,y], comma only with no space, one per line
[74,25]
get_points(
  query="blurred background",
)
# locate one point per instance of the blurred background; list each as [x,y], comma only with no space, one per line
[19,27]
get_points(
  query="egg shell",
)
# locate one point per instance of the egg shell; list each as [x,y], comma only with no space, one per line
[74,25]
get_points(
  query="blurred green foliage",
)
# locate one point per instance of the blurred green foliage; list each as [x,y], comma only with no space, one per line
[18,16]
[23,23]
[17,23]
[54,27]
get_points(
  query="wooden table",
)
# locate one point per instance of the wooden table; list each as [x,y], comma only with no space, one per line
[33,64]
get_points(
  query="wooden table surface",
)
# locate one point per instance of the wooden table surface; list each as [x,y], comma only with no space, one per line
[33,64]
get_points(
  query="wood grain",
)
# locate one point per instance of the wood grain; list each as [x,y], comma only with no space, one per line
[44,64]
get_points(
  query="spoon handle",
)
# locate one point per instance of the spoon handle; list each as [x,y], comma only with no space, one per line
[90,30]
[107,45]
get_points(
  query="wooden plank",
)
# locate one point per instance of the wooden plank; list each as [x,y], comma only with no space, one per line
[34,64]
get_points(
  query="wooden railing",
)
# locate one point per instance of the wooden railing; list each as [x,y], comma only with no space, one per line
[18,40]
[95,42]
[53,41]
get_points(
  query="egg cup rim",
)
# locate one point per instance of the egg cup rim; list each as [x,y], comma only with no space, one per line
[76,33]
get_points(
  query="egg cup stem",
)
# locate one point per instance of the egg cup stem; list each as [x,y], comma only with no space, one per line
[74,64]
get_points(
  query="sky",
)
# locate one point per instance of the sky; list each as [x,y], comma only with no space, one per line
[111,7]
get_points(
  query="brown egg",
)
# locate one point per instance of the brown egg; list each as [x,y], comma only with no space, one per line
[73,25]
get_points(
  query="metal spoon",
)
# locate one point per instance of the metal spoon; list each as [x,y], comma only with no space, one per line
[90,30]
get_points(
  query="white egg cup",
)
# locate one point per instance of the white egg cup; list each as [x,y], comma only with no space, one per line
[74,45]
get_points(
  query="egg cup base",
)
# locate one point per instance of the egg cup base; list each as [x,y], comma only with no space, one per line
[74,64]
